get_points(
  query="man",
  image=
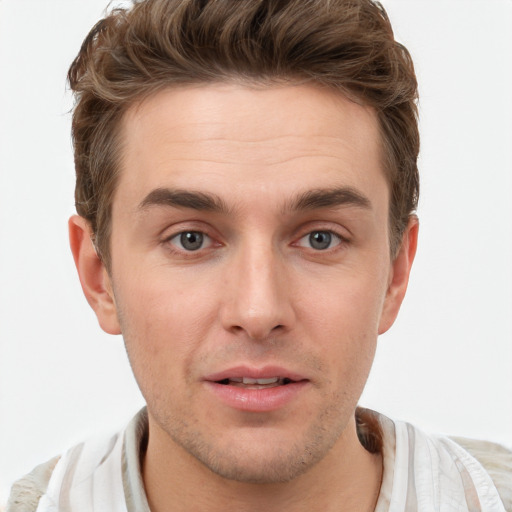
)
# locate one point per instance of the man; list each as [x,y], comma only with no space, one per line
[246,188]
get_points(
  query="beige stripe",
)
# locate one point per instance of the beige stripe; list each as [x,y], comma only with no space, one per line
[470,491]
[67,480]
[411,502]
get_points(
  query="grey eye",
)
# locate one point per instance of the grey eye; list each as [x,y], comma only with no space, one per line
[320,240]
[190,240]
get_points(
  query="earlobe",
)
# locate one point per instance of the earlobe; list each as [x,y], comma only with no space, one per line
[94,278]
[399,277]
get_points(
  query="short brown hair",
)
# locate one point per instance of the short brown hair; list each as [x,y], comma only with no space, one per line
[346,45]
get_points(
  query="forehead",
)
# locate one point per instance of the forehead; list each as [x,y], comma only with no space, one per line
[232,138]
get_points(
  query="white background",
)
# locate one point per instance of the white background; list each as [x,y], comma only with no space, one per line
[445,365]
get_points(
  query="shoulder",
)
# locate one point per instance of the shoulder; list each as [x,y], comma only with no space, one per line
[496,460]
[26,492]
[478,472]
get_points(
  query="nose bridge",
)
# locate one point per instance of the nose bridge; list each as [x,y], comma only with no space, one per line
[258,303]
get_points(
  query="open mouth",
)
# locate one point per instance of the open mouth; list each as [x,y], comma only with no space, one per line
[257,390]
[250,383]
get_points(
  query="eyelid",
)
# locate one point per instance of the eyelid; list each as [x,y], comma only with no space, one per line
[339,230]
[185,226]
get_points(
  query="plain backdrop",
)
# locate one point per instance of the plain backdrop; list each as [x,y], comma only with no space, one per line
[447,362]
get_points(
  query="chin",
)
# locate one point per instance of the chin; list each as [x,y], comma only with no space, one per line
[260,457]
[259,468]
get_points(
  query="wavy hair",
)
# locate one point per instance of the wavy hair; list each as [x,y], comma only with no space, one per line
[346,45]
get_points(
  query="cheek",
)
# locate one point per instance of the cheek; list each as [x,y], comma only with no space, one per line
[162,326]
[343,320]
[346,305]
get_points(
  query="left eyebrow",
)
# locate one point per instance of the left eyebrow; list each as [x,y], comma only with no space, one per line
[329,198]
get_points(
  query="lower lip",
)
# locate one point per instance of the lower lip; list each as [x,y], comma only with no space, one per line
[257,400]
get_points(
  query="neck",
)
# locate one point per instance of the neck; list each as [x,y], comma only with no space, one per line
[348,478]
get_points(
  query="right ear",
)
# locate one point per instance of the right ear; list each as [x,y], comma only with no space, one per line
[94,278]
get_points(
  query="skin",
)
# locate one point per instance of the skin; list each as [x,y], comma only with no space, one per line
[256,293]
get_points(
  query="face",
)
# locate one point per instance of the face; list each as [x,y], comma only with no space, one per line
[251,272]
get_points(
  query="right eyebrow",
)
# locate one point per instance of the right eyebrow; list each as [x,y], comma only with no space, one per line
[183,199]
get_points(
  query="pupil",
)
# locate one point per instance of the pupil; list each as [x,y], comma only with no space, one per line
[320,240]
[191,240]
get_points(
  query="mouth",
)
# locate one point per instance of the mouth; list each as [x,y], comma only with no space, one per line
[252,383]
[252,389]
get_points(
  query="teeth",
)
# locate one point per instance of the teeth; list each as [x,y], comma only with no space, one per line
[249,381]
[271,380]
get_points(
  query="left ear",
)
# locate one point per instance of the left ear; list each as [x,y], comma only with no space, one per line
[399,275]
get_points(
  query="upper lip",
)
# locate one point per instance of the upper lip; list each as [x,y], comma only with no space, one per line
[266,372]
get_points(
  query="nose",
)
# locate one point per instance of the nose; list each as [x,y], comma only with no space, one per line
[257,296]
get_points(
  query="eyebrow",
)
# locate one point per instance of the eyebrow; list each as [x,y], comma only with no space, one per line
[329,198]
[185,199]
[309,200]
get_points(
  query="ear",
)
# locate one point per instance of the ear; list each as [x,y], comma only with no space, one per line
[94,278]
[399,275]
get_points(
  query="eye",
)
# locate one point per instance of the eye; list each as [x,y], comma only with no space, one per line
[320,240]
[190,240]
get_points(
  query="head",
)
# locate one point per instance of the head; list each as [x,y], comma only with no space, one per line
[246,182]
[344,45]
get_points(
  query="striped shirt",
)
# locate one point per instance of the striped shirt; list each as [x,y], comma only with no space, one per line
[422,473]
